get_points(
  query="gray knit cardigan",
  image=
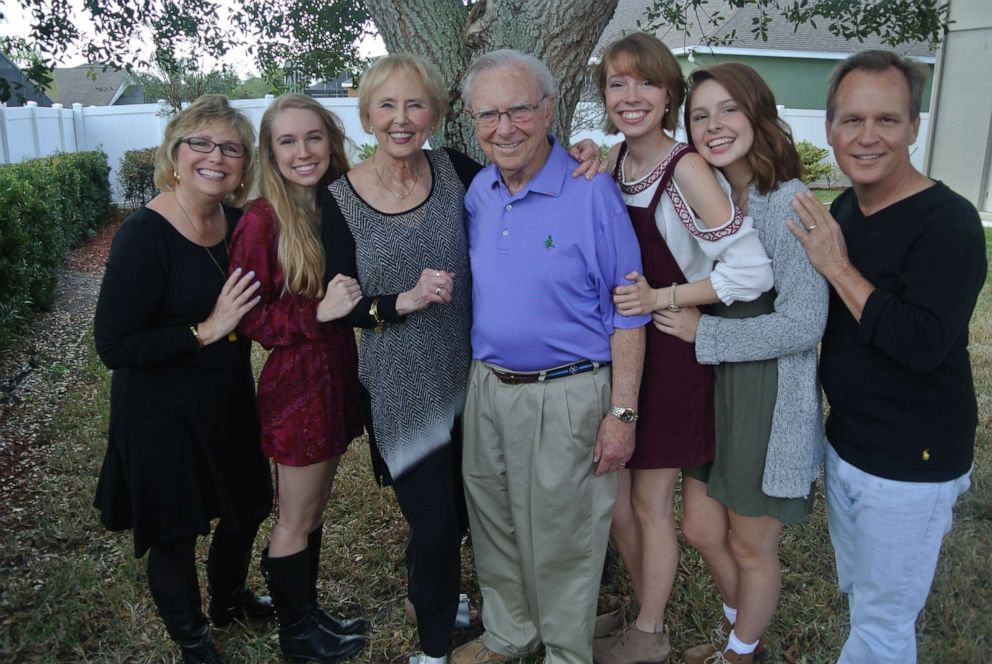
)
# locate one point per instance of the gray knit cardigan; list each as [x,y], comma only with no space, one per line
[791,334]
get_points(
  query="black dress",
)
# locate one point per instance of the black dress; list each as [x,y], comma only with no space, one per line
[184,437]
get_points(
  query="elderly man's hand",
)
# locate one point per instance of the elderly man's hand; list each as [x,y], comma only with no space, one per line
[614,445]
[819,234]
[587,152]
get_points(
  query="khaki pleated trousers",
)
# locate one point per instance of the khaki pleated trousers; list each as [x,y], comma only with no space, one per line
[540,518]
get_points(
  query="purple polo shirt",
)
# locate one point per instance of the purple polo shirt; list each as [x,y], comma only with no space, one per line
[544,263]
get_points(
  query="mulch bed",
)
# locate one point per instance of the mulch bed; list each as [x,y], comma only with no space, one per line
[38,370]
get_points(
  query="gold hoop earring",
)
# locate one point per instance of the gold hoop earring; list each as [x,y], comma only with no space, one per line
[175,176]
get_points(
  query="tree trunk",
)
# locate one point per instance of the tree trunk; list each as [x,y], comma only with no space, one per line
[562,33]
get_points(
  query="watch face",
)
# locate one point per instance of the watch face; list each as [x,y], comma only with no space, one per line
[624,414]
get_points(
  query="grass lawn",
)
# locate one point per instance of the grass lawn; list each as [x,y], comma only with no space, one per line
[72,592]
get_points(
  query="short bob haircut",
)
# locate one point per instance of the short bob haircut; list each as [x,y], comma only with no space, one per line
[207,110]
[644,56]
[402,64]
[878,61]
[508,58]
[772,157]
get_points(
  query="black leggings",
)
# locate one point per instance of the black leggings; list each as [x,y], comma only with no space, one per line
[172,576]
[433,559]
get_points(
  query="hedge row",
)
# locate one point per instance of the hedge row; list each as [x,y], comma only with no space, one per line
[47,207]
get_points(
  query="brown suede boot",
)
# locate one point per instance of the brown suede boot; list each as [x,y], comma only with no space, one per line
[633,647]
[608,623]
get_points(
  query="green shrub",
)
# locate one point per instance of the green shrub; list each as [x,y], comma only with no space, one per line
[47,206]
[811,156]
[365,151]
[136,177]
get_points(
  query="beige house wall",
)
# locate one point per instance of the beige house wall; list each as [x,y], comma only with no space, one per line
[959,151]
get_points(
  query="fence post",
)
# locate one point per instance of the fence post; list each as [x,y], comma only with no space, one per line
[35,133]
[78,126]
[268,100]
[58,109]
[163,114]
[3,134]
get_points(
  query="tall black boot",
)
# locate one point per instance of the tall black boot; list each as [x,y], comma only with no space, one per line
[175,588]
[326,621]
[227,570]
[300,636]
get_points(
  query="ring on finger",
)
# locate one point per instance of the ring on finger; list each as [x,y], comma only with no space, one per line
[437,274]
[438,291]
[810,228]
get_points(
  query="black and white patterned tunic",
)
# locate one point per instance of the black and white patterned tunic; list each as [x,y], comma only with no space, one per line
[415,370]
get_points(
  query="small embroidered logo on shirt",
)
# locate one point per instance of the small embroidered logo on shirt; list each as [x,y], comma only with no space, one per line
[549,244]
[926,455]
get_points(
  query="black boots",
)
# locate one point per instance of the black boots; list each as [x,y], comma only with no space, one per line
[327,622]
[188,627]
[300,636]
[227,569]
[176,591]
[201,650]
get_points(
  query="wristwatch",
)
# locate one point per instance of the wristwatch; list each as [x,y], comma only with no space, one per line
[625,415]
[374,313]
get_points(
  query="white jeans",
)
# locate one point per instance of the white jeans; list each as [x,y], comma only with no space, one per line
[886,536]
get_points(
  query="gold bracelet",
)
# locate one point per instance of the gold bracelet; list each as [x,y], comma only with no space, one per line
[196,335]
[672,304]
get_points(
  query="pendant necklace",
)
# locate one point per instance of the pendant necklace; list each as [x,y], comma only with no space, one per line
[740,200]
[231,336]
[416,181]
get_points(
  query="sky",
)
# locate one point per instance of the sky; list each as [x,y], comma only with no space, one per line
[16,24]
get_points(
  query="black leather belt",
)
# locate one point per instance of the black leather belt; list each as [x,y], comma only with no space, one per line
[518,378]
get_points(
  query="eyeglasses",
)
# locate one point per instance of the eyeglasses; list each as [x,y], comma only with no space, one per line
[205,145]
[521,114]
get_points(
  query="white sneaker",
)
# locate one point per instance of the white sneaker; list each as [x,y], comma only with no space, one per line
[427,659]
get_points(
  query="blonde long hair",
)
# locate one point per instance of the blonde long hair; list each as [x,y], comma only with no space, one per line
[300,252]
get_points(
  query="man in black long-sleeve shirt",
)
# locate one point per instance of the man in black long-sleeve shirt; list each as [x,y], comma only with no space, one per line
[905,257]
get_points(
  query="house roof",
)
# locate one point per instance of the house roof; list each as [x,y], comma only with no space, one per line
[782,35]
[20,87]
[75,85]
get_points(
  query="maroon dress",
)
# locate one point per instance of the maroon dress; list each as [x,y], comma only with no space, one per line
[308,390]
[675,427]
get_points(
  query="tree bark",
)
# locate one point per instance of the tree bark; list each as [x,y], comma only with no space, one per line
[562,33]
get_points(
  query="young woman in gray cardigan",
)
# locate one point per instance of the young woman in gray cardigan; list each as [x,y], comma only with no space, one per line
[769,428]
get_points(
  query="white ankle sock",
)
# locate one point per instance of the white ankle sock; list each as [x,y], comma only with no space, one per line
[730,614]
[738,646]
[424,658]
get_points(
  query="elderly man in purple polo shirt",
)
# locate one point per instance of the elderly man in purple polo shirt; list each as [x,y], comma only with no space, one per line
[548,420]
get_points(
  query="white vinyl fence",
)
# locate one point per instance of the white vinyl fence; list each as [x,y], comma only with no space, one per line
[32,131]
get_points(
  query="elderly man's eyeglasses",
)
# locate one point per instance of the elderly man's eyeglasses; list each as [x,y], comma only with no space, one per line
[207,146]
[521,114]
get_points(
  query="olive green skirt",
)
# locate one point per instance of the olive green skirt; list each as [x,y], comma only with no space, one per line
[744,396]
